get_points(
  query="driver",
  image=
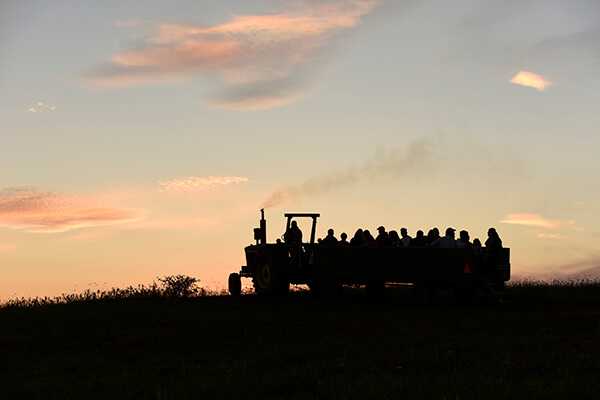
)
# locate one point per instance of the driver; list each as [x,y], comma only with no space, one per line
[293,235]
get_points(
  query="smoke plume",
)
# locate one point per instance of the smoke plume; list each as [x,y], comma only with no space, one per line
[384,165]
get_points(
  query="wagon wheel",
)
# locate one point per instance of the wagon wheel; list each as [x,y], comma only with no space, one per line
[328,288]
[375,289]
[465,295]
[422,293]
[269,277]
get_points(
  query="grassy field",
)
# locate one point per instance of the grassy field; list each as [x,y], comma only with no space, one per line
[544,345]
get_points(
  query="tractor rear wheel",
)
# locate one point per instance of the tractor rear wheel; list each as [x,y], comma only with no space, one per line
[269,276]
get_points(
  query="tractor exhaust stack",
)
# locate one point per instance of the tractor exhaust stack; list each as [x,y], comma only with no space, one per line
[260,234]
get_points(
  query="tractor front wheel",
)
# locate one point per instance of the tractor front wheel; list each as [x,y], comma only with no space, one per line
[235,284]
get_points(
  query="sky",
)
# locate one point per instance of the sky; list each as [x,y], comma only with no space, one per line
[140,139]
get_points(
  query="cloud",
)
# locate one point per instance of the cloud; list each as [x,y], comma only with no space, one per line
[543,235]
[259,59]
[261,95]
[536,221]
[41,107]
[37,211]
[194,183]
[530,79]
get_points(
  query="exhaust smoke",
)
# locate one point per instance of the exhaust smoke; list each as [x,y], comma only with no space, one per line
[386,165]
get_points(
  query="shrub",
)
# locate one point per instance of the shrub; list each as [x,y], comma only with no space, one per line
[181,286]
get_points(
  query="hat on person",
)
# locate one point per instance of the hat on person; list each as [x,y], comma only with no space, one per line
[381,228]
[450,230]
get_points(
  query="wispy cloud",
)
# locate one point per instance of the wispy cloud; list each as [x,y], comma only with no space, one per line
[536,220]
[194,183]
[544,235]
[41,107]
[38,211]
[530,79]
[261,60]
[262,95]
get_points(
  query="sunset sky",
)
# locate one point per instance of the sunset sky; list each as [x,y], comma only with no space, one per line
[140,139]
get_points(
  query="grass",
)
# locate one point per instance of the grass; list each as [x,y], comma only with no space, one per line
[576,290]
[150,345]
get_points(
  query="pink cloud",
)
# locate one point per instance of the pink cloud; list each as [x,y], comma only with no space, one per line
[249,49]
[530,79]
[36,211]
[536,221]
[194,183]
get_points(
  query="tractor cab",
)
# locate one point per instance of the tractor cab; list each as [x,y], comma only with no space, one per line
[290,217]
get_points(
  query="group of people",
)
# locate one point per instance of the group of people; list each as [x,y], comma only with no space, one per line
[484,257]
[363,238]
[433,239]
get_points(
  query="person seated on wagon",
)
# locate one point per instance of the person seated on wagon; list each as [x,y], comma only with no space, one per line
[405,237]
[395,239]
[432,236]
[491,251]
[493,244]
[383,239]
[419,240]
[343,241]
[358,239]
[463,240]
[447,241]
[369,239]
[329,240]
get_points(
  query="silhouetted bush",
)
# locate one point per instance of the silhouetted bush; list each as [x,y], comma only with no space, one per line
[181,286]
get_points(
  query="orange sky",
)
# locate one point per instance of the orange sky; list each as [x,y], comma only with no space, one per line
[141,141]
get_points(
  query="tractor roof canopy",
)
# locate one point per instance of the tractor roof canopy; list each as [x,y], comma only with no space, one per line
[314,217]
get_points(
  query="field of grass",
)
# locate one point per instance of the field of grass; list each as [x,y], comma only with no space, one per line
[543,345]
